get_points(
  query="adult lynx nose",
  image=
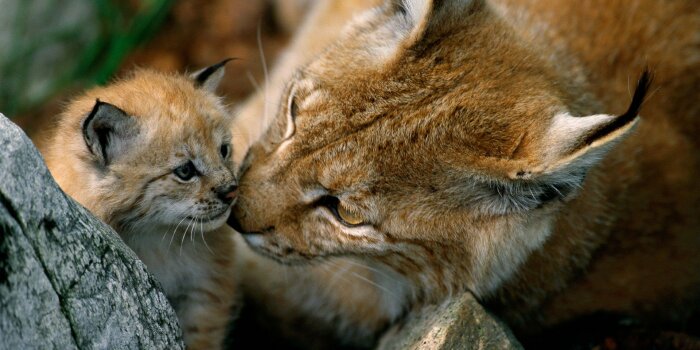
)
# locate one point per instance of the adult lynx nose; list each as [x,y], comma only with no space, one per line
[227,193]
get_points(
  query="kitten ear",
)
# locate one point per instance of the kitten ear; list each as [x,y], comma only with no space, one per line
[107,132]
[210,77]
[570,148]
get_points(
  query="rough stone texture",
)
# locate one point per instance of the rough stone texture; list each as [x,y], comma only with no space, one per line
[459,323]
[66,280]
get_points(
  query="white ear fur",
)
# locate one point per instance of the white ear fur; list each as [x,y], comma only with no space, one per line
[579,139]
[415,10]
[582,141]
[416,14]
[568,149]
[571,146]
[420,15]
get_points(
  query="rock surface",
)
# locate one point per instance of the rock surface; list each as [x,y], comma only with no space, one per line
[66,280]
[459,323]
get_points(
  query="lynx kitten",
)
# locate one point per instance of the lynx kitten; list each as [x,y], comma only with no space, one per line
[151,156]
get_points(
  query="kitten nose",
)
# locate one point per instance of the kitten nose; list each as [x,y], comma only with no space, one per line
[227,193]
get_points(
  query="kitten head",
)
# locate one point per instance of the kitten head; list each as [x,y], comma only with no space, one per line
[149,152]
[429,137]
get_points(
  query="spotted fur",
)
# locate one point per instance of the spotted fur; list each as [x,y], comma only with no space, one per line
[117,150]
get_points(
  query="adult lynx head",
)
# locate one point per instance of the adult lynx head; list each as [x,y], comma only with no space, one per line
[149,152]
[429,138]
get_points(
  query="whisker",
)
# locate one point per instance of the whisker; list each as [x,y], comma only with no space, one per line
[372,283]
[532,194]
[370,268]
[201,225]
[557,190]
[651,94]
[339,274]
[192,232]
[176,227]
[254,82]
[265,117]
[201,232]
[164,233]
[174,231]
[182,241]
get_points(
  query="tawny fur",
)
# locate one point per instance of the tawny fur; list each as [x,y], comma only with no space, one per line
[140,197]
[434,119]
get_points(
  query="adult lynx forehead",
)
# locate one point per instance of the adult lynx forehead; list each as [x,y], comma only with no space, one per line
[434,145]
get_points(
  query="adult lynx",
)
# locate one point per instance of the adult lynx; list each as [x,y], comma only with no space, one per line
[488,146]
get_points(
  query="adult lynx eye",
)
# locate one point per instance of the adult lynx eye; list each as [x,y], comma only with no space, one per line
[349,217]
[346,216]
[186,172]
[225,150]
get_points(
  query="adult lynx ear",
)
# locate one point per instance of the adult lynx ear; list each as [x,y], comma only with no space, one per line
[107,132]
[423,16]
[570,148]
[210,77]
[581,141]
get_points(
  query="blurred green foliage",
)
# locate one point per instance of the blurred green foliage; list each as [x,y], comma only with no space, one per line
[48,45]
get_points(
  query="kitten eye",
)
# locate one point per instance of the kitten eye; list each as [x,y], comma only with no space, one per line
[346,216]
[186,171]
[225,150]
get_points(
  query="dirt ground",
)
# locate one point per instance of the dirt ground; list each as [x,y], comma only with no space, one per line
[196,33]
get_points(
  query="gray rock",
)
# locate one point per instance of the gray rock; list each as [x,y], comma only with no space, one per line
[459,323]
[66,280]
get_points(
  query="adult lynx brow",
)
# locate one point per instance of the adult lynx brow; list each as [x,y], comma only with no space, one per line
[640,92]
[207,72]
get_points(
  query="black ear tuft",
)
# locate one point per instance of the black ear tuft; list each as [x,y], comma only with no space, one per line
[107,131]
[640,93]
[204,77]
